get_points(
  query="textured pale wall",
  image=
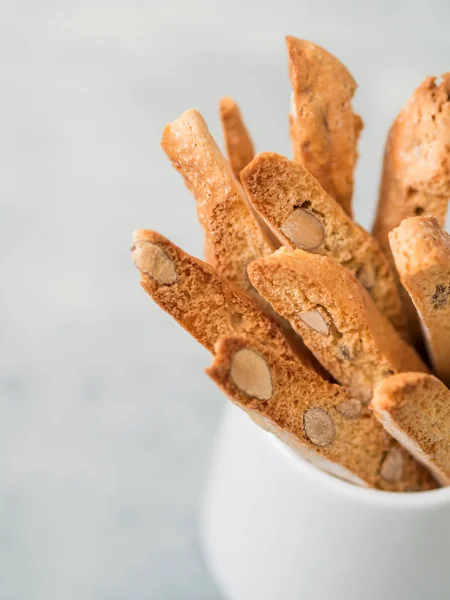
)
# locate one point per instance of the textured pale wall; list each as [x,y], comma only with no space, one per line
[106,417]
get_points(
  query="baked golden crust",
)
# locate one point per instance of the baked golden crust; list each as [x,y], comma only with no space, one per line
[421,251]
[415,409]
[232,237]
[280,190]
[323,127]
[312,417]
[336,318]
[238,143]
[204,304]
[416,171]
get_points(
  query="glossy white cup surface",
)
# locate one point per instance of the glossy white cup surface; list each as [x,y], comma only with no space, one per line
[275,527]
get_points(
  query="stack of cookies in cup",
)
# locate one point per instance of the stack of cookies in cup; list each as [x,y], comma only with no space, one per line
[334,339]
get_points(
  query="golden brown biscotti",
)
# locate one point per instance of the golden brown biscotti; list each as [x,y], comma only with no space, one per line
[323,127]
[415,409]
[238,143]
[319,420]
[416,170]
[421,252]
[336,318]
[202,302]
[232,236]
[303,215]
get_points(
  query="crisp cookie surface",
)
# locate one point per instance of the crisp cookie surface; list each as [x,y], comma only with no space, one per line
[323,127]
[280,190]
[359,347]
[415,409]
[304,412]
[421,250]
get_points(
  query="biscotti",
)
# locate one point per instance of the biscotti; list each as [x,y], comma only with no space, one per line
[323,127]
[421,252]
[238,143]
[336,318]
[415,409]
[232,236]
[302,215]
[319,420]
[202,302]
[416,170]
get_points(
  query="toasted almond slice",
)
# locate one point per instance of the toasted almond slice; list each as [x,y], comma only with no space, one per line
[350,409]
[250,373]
[392,466]
[154,262]
[319,426]
[303,229]
[314,319]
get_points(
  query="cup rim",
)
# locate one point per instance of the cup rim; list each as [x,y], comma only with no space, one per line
[381,498]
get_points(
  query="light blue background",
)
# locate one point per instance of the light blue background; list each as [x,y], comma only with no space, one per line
[107,419]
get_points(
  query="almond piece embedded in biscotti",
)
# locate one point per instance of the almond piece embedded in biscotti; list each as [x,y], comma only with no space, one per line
[319,426]
[250,373]
[314,319]
[392,467]
[303,229]
[350,409]
[154,262]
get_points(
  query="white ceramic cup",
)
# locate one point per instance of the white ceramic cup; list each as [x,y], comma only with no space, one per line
[276,528]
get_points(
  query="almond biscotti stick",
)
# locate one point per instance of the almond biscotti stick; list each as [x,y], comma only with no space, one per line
[336,318]
[232,237]
[324,129]
[200,300]
[319,420]
[421,252]
[416,171]
[415,409]
[302,215]
[238,143]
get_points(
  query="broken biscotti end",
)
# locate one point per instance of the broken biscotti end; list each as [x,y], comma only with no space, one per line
[151,259]
[318,420]
[238,143]
[323,127]
[415,409]
[336,318]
